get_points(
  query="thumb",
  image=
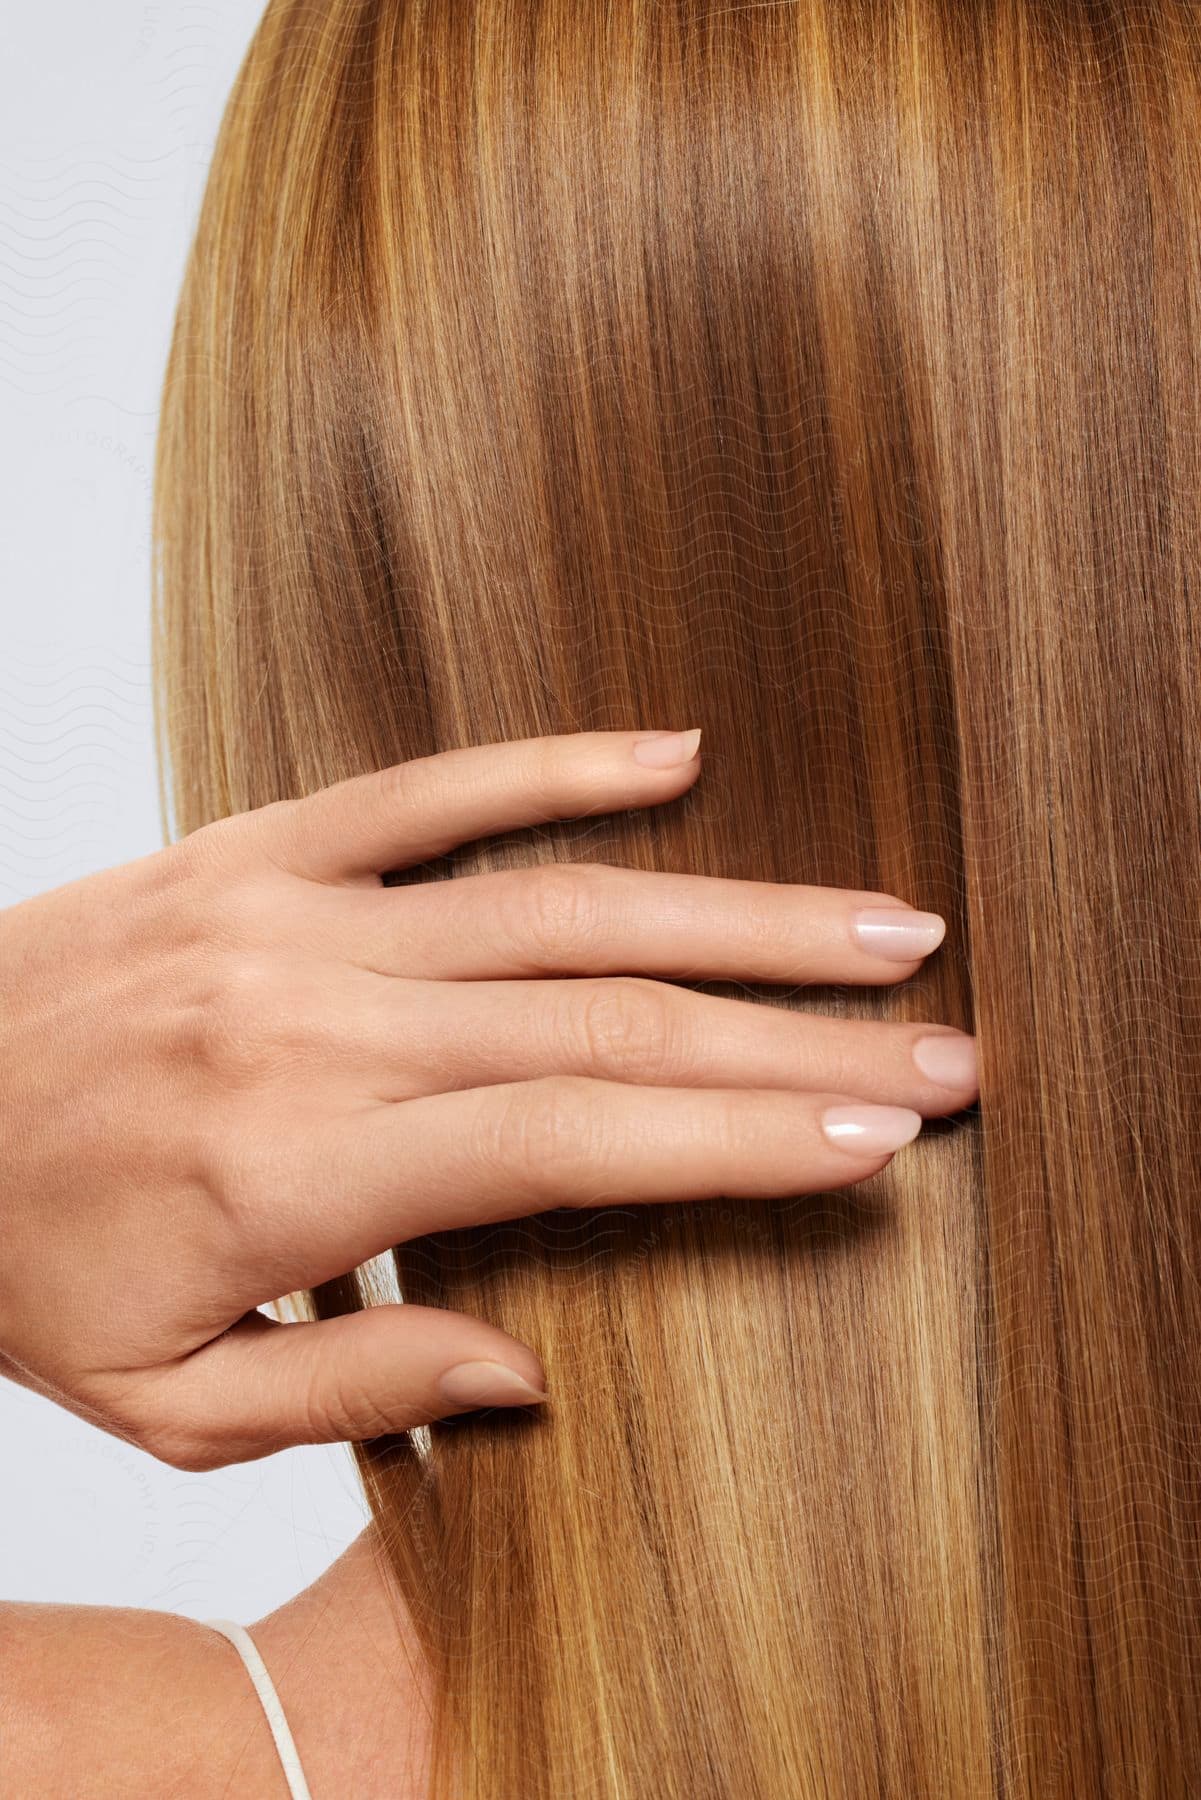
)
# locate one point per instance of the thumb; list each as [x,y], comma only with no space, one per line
[264,1386]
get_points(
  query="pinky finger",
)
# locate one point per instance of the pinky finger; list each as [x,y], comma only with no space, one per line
[393,1172]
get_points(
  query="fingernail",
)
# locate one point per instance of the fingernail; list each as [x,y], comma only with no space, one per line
[949,1059]
[667,749]
[870,1130]
[487,1384]
[898,932]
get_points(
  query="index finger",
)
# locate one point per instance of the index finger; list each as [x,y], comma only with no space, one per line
[395,817]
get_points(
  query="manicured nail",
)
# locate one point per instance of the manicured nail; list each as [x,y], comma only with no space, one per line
[898,932]
[667,749]
[870,1130]
[487,1384]
[949,1059]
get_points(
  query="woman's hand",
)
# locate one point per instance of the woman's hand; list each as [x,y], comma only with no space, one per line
[242,1065]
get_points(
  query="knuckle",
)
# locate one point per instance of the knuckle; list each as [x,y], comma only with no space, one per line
[240,1016]
[180,1442]
[182,1449]
[206,906]
[736,1129]
[544,1129]
[177,867]
[550,766]
[224,1034]
[170,1418]
[554,909]
[245,1172]
[180,894]
[846,1055]
[245,912]
[630,1030]
[337,1409]
[266,834]
[546,763]
[397,786]
[745,1125]
[211,848]
[197,853]
[759,934]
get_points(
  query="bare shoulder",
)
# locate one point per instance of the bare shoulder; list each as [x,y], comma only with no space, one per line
[111,1701]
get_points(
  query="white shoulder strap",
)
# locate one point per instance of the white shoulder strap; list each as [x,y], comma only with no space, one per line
[264,1687]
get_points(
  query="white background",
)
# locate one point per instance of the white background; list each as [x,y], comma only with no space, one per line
[108,112]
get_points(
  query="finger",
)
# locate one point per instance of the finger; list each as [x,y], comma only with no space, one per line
[597,919]
[264,1386]
[412,811]
[628,1028]
[356,1185]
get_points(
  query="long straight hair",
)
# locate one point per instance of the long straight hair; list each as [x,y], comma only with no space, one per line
[824,373]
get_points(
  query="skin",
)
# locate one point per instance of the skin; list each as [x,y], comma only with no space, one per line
[110,1702]
[242,1065]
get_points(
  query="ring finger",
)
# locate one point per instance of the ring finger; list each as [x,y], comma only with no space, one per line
[631,1029]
